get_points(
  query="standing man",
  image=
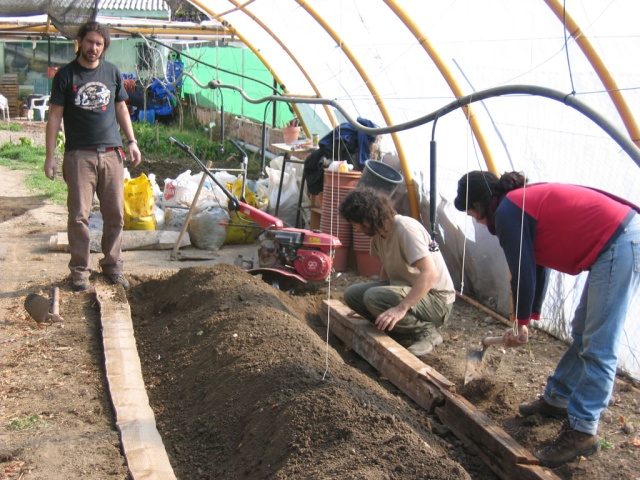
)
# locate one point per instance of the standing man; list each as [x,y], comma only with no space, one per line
[571,229]
[415,293]
[89,96]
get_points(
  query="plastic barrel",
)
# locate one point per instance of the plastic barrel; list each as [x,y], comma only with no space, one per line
[380,176]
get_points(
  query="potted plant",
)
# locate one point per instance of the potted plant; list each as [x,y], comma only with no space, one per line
[291,131]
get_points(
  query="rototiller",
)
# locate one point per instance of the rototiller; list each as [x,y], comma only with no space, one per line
[286,254]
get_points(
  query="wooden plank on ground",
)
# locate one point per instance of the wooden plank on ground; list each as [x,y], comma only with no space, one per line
[419,381]
[131,240]
[142,445]
[489,441]
[435,393]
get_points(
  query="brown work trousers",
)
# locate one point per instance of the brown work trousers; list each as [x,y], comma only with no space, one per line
[89,172]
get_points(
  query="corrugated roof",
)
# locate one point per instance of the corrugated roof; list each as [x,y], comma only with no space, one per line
[147,5]
[135,8]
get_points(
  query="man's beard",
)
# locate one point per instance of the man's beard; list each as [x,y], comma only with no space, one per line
[85,56]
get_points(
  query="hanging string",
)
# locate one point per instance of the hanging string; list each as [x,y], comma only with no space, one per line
[333,253]
[514,326]
[566,45]
[336,132]
[466,217]
[515,320]
[471,137]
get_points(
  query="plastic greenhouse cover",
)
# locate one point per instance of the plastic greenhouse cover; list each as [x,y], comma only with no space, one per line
[482,45]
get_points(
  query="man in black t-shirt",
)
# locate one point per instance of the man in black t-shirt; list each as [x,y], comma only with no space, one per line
[88,95]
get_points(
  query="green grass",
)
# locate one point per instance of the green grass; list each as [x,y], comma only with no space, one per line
[605,444]
[24,423]
[26,157]
[12,127]
[153,141]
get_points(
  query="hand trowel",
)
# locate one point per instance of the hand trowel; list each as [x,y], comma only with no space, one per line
[42,309]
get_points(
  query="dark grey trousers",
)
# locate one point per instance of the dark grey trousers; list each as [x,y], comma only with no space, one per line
[372,298]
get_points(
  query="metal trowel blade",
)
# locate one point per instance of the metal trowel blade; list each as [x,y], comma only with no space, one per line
[39,308]
[473,369]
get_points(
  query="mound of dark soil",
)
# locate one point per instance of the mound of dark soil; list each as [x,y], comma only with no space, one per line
[242,387]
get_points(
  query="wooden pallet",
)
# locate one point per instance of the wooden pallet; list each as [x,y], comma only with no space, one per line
[9,88]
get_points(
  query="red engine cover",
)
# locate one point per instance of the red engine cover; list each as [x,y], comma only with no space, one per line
[313,264]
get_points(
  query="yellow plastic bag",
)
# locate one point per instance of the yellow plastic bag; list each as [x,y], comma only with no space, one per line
[139,204]
[242,230]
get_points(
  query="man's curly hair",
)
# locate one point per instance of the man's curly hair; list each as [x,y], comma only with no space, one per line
[368,205]
[93,26]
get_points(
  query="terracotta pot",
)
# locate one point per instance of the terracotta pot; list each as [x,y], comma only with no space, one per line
[290,134]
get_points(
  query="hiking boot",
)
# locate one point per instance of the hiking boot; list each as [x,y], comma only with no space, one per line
[80,284]
[568,445]
[425,343]
[541,407]
[118,279]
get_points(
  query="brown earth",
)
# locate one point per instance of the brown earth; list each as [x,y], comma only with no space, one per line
[244,379]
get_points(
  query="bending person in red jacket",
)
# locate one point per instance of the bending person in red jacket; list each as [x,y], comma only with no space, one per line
[570,229]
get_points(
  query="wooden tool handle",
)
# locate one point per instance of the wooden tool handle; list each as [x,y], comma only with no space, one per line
[486,341]
[55,301]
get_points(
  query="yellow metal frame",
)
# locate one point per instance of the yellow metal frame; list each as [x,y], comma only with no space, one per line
[329,113]
[255,51]
[200,32]
[413,201]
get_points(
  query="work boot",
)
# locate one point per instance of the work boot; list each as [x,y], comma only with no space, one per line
[425,343]
[541,407]
[80,284]
[119,279]
[568,445]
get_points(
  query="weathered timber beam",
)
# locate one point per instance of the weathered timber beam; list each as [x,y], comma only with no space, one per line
[420,382]
[492,444]
[436,394]
[131,240]
[142,444]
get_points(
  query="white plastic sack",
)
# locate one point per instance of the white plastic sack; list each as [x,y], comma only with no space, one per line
[205,230]
[154,185]
[174,218]
[173,188]
[293,168]
[159,213]
[181,191]
[288,197]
